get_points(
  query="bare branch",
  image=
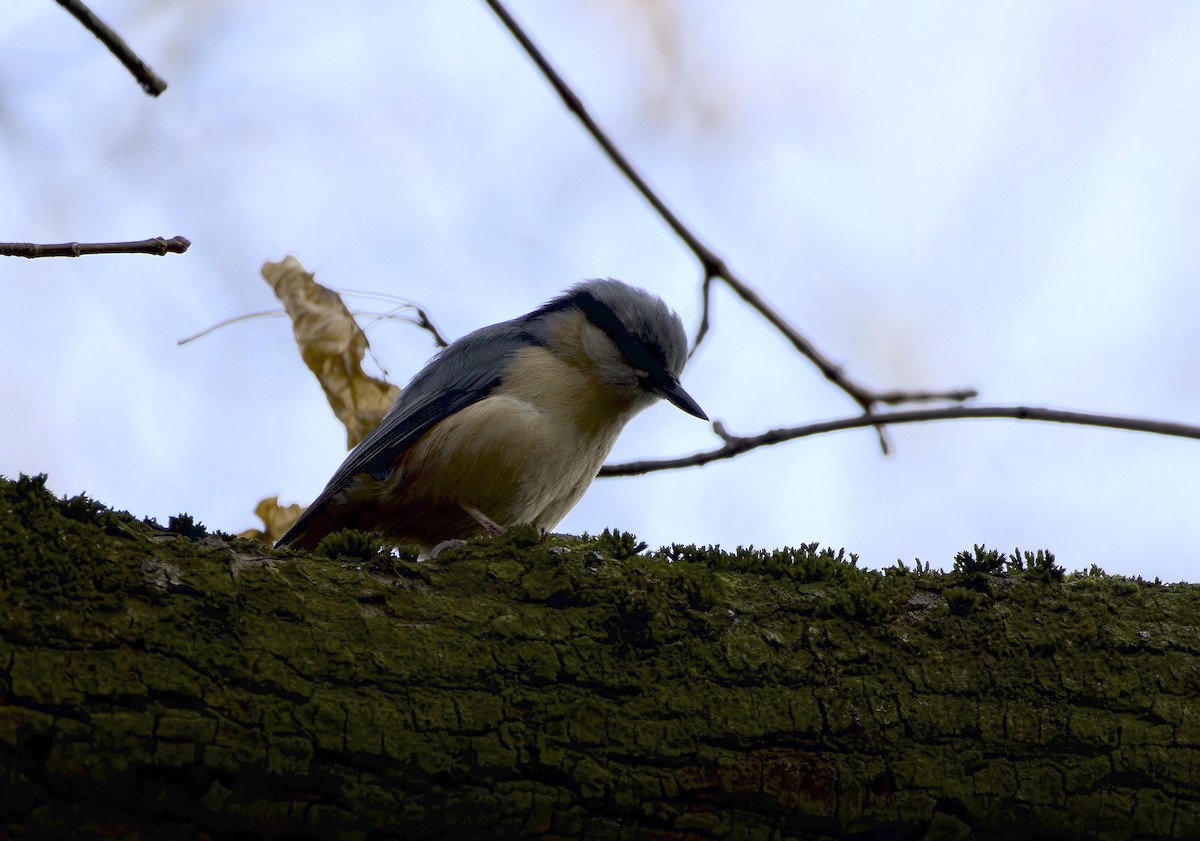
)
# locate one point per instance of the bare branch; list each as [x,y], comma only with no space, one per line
[712,265]
[157,246]
[151,83]
[736,445]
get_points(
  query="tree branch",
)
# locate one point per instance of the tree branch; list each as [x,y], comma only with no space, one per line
[157,246]
[190,685]
[735,445]
[151,83]
[713,266]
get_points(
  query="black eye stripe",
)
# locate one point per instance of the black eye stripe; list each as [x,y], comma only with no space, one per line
[602,315]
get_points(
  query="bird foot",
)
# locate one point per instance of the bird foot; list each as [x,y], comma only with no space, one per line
[490,525]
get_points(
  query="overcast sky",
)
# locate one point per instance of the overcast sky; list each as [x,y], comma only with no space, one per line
[938,194]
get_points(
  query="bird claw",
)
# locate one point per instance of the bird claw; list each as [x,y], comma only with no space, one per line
[490,525]
[445,544]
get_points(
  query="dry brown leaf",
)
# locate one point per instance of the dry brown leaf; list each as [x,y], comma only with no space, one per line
[277,519]
[332,346]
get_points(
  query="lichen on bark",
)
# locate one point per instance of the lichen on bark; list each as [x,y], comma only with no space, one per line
[165,683]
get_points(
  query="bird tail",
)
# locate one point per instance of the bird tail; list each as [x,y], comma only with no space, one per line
[309,529]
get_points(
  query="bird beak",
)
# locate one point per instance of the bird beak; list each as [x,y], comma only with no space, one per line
[674,392]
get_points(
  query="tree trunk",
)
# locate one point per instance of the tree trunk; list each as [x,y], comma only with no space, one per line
[165,684]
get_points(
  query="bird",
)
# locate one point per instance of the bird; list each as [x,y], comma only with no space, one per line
[508,425]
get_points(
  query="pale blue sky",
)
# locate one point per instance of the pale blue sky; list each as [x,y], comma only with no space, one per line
[939,194]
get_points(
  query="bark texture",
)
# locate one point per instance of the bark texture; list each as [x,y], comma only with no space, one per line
[165,684]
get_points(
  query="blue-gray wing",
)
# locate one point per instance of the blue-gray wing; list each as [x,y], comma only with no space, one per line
[462,374]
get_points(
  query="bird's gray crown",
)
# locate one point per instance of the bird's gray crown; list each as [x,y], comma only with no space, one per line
[646,331]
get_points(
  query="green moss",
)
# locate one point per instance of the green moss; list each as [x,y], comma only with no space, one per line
[81,509]
[186,526]
[1039,566]
[562,685]
[984,560]
[960,600]
[521,536]
[618,545]
[351,545]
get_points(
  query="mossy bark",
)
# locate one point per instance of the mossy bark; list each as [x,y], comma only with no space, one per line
[160,685]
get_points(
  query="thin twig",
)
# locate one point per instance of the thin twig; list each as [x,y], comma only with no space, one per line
[421,321]
[151,82]
[157,246]
[705,307]
[895,398]
[226,322]
[424,323]
[713,266]
[735,445]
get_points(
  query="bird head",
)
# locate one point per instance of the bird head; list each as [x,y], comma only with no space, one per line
[626,338]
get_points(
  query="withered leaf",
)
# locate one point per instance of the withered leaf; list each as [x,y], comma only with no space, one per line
[332,346]
[276,518]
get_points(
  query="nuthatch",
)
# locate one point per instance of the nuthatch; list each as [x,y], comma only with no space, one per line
[509,424]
